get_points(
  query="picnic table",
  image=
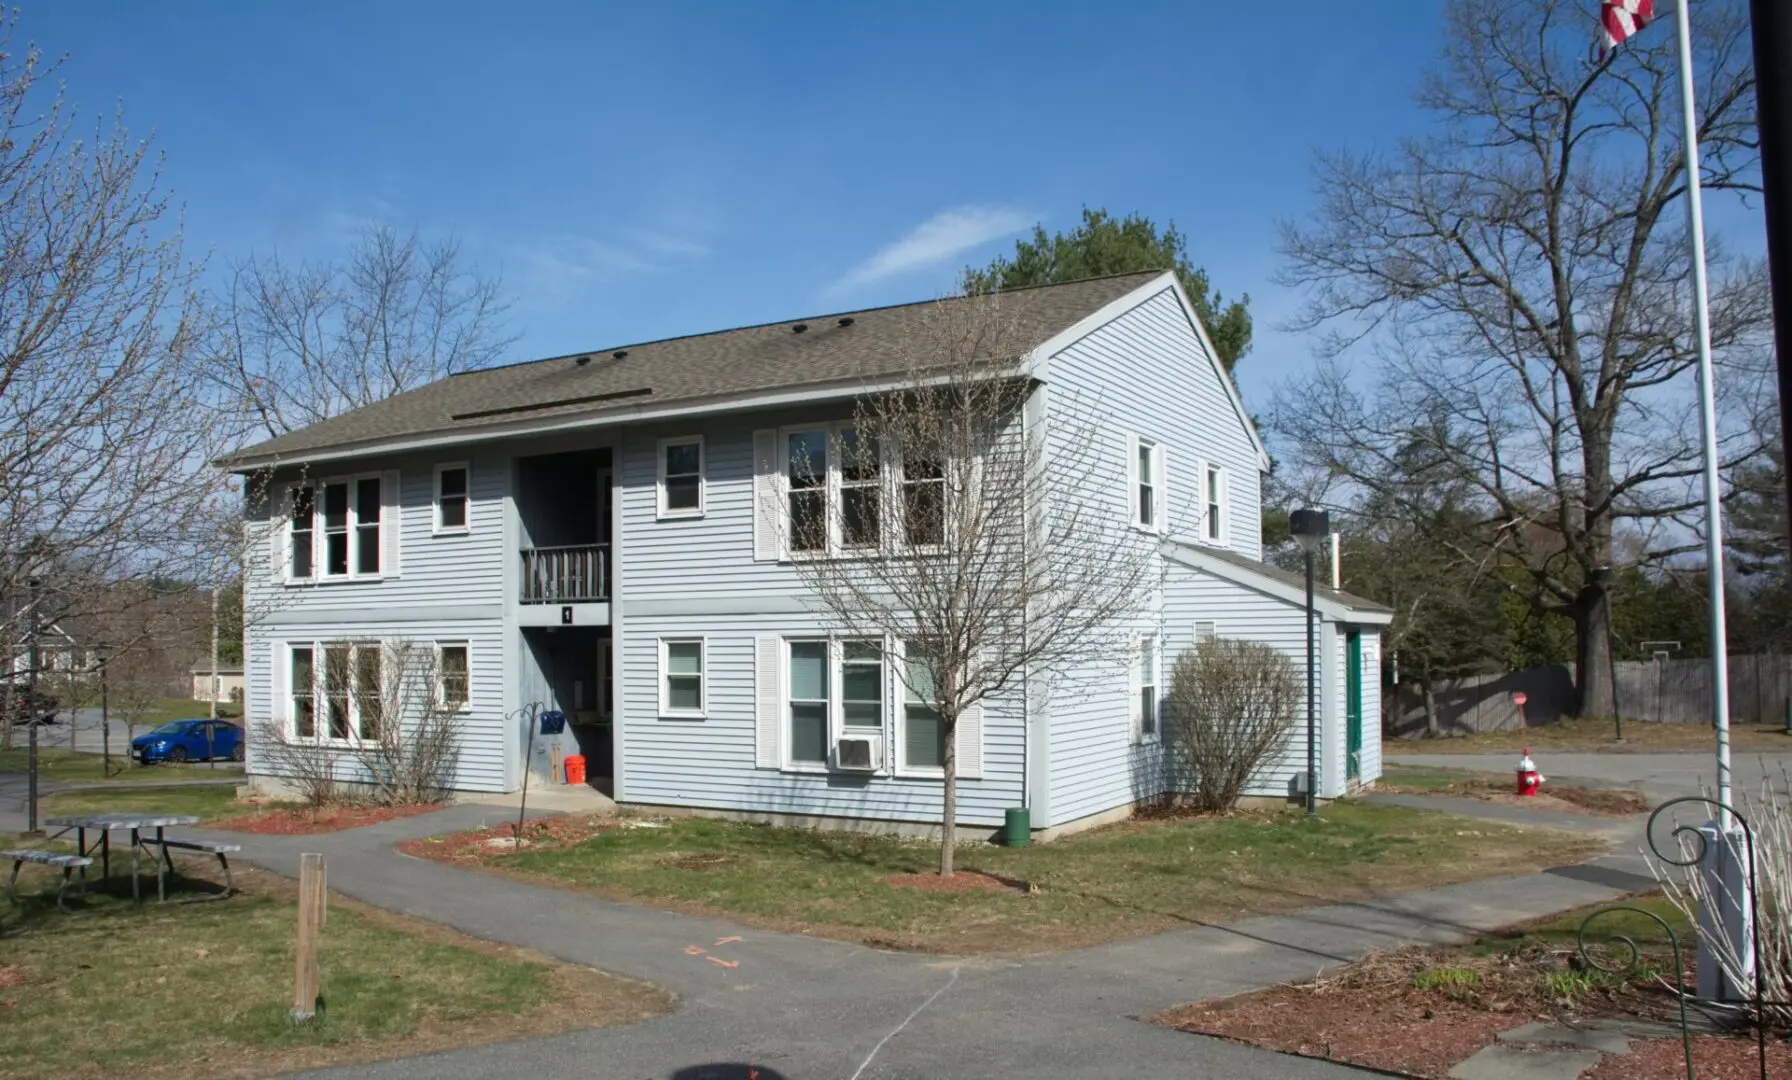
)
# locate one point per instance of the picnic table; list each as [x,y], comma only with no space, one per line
[135,823]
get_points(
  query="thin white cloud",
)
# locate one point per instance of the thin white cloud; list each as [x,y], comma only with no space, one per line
[943,236]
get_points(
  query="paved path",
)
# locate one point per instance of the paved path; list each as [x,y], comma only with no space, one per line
[1659,777]
[801,1008]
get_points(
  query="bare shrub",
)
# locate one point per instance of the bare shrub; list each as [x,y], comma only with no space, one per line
[304,762]
[414,747]
[387,732]
[1769,815]
[1232,704]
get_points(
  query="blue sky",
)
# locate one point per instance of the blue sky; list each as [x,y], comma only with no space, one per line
[642,171]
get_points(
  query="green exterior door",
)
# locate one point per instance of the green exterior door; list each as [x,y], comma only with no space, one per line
[1353,705]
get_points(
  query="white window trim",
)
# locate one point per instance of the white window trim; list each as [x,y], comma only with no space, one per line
[1139,644]
[1159,512]
[286,538]
[836,708]
[1224,503]
[666,711]
[437,527]
[320,705]
[896,462]
[441,700]
[319,538]
[891,528]
[665,514]
[899,736]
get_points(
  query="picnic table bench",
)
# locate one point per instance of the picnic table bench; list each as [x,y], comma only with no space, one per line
[68,864]
[136,823]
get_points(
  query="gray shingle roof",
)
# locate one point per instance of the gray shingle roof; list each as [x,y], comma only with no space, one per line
[877,342]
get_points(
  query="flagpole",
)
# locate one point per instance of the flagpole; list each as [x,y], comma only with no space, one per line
[1714,528]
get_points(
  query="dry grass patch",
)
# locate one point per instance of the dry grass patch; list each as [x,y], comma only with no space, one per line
[1133,878]
[1577,735]
[203,991]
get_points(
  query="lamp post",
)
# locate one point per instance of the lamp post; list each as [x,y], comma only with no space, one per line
[1311,527]
[101,655]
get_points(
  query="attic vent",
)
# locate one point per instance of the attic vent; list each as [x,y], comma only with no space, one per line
[846,321]
[799,328]
[620,353]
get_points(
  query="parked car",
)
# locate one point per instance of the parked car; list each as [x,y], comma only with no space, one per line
[189,740]
[28,707]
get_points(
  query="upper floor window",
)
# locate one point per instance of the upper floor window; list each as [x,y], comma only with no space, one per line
[1216,504]
[807,479]
[337,528]
[861,489]
[452,495]
[681,477]
[1146,467]
[923,497]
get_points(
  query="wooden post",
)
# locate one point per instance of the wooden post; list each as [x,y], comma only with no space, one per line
[311,923]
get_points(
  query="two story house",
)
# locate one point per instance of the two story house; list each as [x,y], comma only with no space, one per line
[580,534]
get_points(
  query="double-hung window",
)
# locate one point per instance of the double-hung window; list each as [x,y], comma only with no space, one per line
[681,678]
[1146,680]
[807,463]
[1216,504]
[347,679]
[1146,506]
[923,497]
[923,729]
[336,529]
[303,537]
[451,499]
[453,677]
[862,685]
[808,705]
[681,477]
[861,489]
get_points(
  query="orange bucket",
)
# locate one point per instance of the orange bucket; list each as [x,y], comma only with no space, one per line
[575,769]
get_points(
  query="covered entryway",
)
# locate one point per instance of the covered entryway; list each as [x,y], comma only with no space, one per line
[567,669]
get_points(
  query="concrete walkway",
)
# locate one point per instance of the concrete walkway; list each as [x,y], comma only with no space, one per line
[801,1007]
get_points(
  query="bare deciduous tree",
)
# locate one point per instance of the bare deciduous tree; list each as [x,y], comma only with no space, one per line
[944,528]
[1232,705]
[104,437]
[1523,277]
[306,341]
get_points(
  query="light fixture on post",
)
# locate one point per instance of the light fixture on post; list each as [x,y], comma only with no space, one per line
[1311,527]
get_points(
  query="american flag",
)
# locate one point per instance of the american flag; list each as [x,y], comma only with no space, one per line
[1622,18]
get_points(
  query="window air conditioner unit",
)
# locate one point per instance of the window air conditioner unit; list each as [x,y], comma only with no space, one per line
[859,753]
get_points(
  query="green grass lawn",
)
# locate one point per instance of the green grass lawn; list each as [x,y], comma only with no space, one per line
[1129,878]
[75,766]
[207,802]
[205,990]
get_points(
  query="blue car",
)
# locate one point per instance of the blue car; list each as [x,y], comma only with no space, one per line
[188,740]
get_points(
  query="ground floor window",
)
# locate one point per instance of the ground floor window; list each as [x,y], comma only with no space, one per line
[923,729]
[347,678]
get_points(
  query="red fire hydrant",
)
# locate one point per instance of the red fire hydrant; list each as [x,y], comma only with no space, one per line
[1529,779]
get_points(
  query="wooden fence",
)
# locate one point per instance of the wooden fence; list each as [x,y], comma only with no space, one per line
[1667,691]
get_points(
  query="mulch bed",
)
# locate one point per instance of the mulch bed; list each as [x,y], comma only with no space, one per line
[1567,799]
[961,881]
[1713,1058]
[302,822]
[1373,1014]
[477,846]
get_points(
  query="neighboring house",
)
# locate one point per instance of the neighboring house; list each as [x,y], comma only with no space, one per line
[226,683]
[60,657]
[581,534]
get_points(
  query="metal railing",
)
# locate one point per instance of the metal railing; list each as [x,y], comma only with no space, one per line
[566,575]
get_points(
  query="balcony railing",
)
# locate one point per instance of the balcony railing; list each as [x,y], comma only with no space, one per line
[566,575]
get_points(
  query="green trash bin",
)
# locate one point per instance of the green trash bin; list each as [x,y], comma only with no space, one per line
[1017,827]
